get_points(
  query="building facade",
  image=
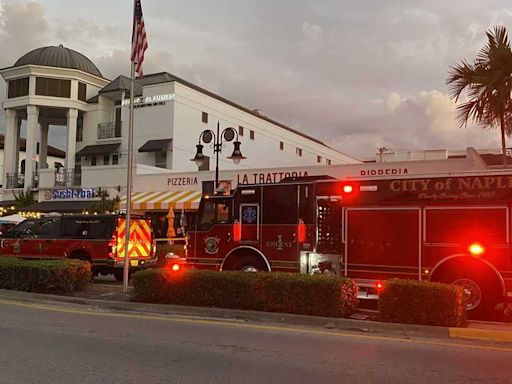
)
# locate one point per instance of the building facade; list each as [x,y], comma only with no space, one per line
[60,88]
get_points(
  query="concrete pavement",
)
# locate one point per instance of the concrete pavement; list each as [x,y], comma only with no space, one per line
[116,301]
[71,342]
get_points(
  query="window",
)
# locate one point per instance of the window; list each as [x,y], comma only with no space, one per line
[53,87]
[277,210]
[204,118]
[214,211]
[106,159]
[17,88]
[48,227]
[240,130]
[281,146]
[115,159]
[82,92]
[93,161]
[101,228]
[161,159]
[299,152]
[319,159]
[251,134]
[328,162]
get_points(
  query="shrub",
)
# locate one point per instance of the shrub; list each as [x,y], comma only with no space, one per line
[318,295]
[44,276]
[421,302]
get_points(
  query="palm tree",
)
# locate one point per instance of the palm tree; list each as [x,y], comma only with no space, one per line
[488,85]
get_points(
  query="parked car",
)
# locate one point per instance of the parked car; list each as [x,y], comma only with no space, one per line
[99,239]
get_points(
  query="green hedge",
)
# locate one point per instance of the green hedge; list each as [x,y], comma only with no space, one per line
[317,295]
[44,276]
[421,302]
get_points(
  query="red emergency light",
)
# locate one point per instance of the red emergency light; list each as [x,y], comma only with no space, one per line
[237,231]
[302,231]
[348,188]
[476,249]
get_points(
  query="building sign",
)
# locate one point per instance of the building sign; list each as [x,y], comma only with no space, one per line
[467,189]
[267,177]
[384,172]
[150,100]
[73,194]
[181,181]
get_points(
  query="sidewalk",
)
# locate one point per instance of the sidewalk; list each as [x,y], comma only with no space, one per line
[110,298]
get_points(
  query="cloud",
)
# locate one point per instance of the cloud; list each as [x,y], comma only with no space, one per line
[363,74]
[23,27]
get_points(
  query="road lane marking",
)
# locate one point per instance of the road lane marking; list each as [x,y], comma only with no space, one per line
[252,326]
[482,334]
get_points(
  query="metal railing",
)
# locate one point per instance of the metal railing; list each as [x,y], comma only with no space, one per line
[68,177]
[109,130]
[14,180]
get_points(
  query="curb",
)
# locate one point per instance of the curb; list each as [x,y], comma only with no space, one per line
[360,326]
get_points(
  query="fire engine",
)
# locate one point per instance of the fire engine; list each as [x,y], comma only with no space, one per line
[454,229]
[99,239]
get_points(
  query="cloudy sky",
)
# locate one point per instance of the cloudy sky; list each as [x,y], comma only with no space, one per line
[356,74]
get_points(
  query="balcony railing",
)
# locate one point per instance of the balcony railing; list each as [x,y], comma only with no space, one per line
[14,180]
[110,130]
[68,177]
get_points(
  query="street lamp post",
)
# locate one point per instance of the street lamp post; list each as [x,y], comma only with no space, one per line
[219,139]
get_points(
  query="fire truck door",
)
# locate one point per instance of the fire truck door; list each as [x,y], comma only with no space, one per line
[279,232]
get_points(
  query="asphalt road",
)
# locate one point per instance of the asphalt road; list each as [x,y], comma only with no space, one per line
[40,344]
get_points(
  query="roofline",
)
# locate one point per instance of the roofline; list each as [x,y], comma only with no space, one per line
[58,68]
[238,106]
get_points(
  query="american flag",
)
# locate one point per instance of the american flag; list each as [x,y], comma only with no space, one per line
[139,40]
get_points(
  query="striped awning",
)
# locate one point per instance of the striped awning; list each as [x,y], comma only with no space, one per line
[164,200]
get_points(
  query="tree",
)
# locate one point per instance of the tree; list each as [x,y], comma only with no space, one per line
[105,204]
[487,84]
[24,199]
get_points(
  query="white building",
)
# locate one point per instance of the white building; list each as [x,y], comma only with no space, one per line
[61,88]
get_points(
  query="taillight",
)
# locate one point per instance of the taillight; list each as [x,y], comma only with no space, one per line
[379,286]
[113,247]
[476,249]
[175,267]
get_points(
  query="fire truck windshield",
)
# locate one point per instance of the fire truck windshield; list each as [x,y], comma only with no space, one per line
[214,211]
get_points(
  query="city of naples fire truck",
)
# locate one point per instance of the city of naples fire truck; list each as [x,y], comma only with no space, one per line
[99,239]
[453,229]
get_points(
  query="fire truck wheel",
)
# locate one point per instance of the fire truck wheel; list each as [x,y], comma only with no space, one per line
[249,264]
[118,275]
[481,292]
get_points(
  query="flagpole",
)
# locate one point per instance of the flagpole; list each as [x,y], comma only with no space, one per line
[129,177]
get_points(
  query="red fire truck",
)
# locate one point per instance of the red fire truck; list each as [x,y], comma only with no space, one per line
[453,229]
[98,239]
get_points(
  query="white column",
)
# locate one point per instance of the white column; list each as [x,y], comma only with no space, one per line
[71,140]
[43,146]
[9,144]
[31,151]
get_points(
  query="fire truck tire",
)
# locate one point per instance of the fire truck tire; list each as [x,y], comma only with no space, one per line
[249,264]
[482,291]
[118,275]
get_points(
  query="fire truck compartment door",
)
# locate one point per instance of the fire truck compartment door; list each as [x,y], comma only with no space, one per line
[383,242]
